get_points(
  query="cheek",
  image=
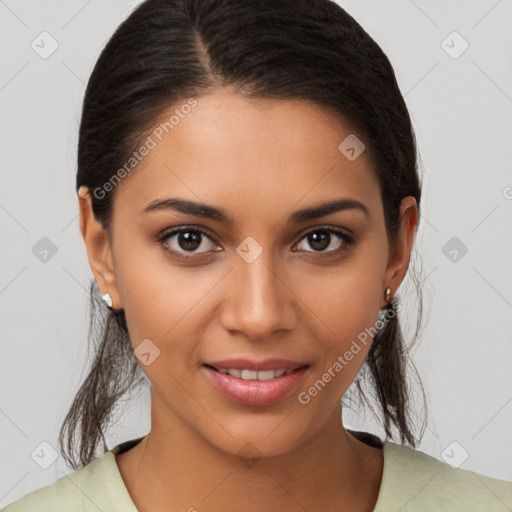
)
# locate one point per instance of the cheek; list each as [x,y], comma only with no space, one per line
[344,301]
[345,307]
[161,300]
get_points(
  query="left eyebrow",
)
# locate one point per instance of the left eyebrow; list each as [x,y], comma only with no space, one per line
[328,208]
[220,215]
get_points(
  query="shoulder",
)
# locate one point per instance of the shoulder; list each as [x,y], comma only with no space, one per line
[414,481]
[65,492]
[97,486]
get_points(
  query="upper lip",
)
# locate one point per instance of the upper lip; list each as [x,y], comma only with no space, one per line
[247,364]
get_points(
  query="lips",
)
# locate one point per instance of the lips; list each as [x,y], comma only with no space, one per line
[255,392]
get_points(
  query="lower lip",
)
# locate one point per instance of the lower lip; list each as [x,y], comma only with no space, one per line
[256,392]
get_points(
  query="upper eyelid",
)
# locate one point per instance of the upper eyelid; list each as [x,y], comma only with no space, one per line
[343,230]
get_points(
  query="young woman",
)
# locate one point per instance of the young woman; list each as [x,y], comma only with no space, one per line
[249,199]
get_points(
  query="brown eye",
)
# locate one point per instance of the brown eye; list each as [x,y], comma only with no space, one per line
[189,240]
[186,241]
[320,239]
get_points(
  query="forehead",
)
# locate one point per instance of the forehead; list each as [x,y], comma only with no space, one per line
[248,154]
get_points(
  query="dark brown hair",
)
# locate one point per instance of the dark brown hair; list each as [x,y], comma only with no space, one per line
[169,50]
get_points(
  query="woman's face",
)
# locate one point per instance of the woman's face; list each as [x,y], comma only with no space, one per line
[256,287]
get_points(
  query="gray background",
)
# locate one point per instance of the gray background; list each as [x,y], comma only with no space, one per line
[461,106]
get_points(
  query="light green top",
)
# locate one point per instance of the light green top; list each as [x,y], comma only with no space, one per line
[411,482]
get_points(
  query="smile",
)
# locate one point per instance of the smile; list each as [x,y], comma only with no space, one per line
[253,374]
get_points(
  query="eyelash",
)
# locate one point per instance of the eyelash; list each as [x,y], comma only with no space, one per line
[347,240]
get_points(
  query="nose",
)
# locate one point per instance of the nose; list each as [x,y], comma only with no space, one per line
[259,300]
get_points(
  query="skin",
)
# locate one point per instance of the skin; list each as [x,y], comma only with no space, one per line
[260,160]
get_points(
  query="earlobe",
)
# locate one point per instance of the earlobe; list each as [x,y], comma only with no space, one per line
[99,251]
[399,259]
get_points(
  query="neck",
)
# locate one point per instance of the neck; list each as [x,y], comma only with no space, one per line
[173,468]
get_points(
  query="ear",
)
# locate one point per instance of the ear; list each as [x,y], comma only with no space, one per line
[99,252]
[401,255]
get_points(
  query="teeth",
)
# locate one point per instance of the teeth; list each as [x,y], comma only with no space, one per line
[255,375]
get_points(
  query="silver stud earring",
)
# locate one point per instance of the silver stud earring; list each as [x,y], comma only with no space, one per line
[107,299]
